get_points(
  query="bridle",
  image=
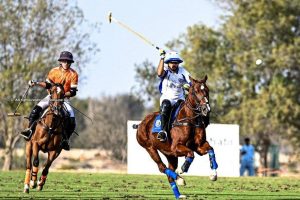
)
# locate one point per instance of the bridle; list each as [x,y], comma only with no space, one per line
[54,109]
[199,109]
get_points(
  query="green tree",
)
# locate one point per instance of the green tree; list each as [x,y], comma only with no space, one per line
[148,81]
[33,33]
[268,94]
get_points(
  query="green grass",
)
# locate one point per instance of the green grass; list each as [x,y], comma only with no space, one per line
[122,186]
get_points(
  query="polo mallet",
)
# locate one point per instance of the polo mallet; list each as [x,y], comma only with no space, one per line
[110,19]
[15,113]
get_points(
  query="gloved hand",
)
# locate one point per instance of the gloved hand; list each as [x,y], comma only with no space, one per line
[162,53]
[186,88]
[32,83]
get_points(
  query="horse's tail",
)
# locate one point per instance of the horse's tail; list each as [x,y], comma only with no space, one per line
[135,126]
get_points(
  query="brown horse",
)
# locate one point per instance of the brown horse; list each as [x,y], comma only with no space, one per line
[186,136]
[47,137]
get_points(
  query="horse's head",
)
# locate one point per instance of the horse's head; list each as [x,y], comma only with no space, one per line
[199,96]
[57,98]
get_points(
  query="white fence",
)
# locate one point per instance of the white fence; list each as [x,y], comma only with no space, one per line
[224,138]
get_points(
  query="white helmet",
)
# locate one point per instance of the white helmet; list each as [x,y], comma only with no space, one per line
[173,57]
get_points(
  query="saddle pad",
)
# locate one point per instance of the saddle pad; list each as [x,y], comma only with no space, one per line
[157,124]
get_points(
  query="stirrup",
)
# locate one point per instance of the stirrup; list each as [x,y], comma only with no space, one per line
[160,136]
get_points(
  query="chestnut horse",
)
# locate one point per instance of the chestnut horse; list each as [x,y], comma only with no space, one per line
[47,137]
[186,136]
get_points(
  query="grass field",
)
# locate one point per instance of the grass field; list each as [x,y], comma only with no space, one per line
[122,186]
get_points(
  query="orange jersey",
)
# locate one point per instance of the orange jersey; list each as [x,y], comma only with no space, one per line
[68,78]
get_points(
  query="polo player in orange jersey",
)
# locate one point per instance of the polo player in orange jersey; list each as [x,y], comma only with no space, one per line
[68,77]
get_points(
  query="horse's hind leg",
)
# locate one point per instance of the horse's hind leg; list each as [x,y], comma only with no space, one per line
[52,155]
[28,166]
[173,163]
[35,168]
[168,171]
[161,166]
[204,149]
[155,156]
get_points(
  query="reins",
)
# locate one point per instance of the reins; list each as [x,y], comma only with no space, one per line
[195,110]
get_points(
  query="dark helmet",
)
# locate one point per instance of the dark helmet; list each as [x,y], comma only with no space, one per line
[66,55]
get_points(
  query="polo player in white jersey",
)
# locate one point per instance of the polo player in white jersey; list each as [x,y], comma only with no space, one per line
[174,79]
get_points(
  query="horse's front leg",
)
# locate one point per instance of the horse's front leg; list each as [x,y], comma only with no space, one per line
[28,166]
[35,168]
[52,155]
[181,150]
[204,149]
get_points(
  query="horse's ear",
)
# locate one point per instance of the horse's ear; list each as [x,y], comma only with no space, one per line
[192,80]
[205,78]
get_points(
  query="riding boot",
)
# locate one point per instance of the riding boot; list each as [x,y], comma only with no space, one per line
[70,127]
[164,112]
[34,115]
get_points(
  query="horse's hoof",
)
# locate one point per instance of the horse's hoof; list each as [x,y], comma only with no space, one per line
[33,184]
[40,188]
[180,181]
[26,188]
[213,176]
[182,197]
[179,171]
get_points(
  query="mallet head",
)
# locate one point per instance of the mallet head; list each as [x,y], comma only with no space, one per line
[109,17]
[13,114]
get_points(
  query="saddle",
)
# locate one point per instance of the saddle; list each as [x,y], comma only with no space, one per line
[64,113]
[174,112]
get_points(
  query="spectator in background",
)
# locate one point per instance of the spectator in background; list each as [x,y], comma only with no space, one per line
[247,158]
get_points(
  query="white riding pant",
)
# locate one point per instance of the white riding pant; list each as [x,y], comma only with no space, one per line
[44,103]
[172,99]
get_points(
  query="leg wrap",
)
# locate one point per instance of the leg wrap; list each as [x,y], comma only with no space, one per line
[175,189]
[171,174]
[27,176]
[42,180]
[186,165]
[212,159]
[34,173]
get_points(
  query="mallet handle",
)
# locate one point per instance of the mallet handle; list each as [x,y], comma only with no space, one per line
[132,31]
[24,95]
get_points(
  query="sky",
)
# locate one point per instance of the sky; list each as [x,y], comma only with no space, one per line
[112,70]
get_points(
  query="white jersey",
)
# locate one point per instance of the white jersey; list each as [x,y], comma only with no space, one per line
[171,84]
